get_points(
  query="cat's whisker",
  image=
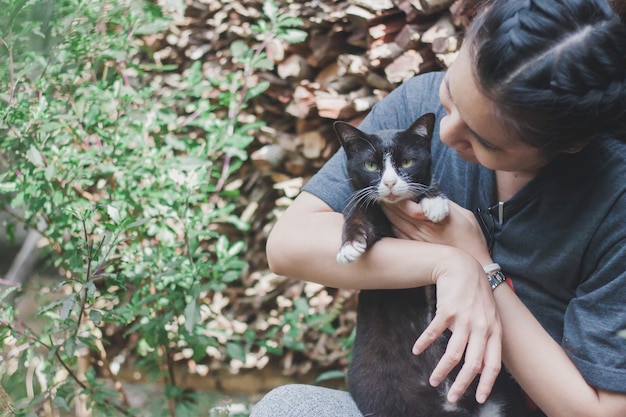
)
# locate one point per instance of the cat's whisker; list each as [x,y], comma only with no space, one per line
[370,197]
[416,189]
[363,197]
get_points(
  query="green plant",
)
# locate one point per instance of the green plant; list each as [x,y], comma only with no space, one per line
[133,182]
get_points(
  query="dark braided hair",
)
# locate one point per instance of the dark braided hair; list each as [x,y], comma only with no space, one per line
[556,69]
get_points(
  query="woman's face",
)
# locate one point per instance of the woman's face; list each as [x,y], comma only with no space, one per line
[472,128]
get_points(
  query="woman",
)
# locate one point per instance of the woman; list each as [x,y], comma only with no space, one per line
[532,149]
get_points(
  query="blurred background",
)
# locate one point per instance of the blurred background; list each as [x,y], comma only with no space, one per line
[146,150]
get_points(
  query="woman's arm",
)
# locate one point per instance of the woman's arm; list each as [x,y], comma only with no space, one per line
[305,241]
[543,369]
[304,245]
[538,363]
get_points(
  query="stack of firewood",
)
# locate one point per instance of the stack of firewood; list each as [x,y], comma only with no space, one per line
[356,53]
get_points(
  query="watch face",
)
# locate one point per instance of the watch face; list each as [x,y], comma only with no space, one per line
[496,279]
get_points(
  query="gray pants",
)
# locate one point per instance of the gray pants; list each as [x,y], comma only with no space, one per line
[305,401]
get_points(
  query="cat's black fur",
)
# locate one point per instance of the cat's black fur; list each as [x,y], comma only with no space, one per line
[385,378]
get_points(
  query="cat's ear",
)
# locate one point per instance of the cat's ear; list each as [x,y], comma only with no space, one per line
[347,133]
[424,126]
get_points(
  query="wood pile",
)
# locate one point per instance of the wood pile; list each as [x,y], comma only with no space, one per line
[356,52]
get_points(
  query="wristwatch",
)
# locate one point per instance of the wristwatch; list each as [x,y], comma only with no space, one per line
[496,278]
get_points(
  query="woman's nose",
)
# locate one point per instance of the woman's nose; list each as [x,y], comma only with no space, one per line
[452,132]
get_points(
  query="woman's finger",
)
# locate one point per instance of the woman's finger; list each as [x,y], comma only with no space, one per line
[472,365]
[412,209]
[407,209]
[452,356]
[435,329]
[491,368]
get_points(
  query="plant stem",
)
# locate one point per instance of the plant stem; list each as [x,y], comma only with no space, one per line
[11,73]
[233,110]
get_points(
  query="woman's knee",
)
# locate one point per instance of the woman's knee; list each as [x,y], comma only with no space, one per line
[297,400]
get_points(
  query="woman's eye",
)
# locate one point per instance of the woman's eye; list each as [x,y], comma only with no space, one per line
[406,163]
[371,166]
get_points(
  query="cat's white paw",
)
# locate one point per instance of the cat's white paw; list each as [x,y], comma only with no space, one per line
[436,208]
[350,251]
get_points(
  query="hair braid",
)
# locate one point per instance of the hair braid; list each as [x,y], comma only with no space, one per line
[556,70]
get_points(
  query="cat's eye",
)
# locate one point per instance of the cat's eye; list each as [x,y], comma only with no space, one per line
[406,163]
[371,166]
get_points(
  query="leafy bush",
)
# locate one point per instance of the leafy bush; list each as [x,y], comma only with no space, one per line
[129,180]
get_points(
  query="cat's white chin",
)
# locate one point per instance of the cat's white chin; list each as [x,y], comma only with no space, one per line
[392,198]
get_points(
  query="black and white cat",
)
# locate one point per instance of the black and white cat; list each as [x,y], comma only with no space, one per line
[385,378]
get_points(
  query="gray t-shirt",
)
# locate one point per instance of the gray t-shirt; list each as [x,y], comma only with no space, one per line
[562,240]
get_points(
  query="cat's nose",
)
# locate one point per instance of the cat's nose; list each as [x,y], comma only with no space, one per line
[390,182]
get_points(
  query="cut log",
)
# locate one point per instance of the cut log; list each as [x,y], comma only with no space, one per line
[429,7]
[374,5]
[443,28]
[409,37]
[302,104]
[295,67]
[409,64]
[333,106]
[313,144]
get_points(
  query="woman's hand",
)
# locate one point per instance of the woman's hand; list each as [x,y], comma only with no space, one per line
[460,229]
[465,303]
[466,306]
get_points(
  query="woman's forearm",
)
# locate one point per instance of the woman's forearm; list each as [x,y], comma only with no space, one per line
[543,369]
[305,241]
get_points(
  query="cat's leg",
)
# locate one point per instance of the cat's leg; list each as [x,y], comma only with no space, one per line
[358,235]
[435,205]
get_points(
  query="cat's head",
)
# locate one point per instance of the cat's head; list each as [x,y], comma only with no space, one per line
[390,165]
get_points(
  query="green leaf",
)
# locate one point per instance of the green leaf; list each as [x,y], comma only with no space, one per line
[236,248]
[260,88]
[114,214]
[235,351]
[61,402]
[95,316]
[293,36]
[192,315]
[263,63]
[66,307]
[8,187]
[335,374]
[50,127]
[222,246]
[156,26]
[270,9]
[50,172]
[230,276]
[70,346]
[289,21]
[34,156]
[239,49]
